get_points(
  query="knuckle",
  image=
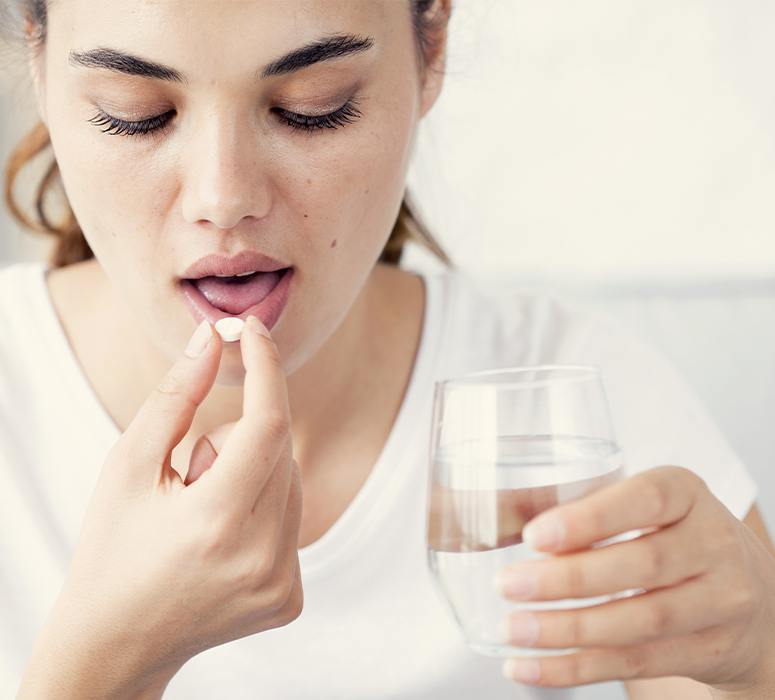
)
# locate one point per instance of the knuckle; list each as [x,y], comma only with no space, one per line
[211,540]
[578,629]
[260,571]
[568,672]
[742,600]
[633,662]
[276,424]
[293,606]
[169,385]
[652,561]
[286,454]
[721,644]
[575,579]
[690,478]
[296,602]
[656,620]
[295,501]
[598,519]
[723,545]
[170,392]
[728,537]
[283,596]
[656,497]
[283,590]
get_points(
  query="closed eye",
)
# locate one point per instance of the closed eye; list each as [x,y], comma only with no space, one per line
[346,114]
[114,125]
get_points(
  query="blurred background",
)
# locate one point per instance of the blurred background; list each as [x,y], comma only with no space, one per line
[620,152]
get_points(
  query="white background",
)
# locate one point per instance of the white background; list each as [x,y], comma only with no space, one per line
[614,137]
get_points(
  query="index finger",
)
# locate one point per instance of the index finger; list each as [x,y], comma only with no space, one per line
[257,439]
[656,497]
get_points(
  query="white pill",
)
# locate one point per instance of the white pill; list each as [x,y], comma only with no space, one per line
[229,328]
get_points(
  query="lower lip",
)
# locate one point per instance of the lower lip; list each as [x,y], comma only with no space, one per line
[268,310]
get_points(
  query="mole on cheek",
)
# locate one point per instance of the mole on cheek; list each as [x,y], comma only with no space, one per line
[333,243]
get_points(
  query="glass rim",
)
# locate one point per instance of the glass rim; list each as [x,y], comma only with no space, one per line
[470,378]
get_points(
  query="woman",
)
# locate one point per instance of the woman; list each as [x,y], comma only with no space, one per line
[154,539]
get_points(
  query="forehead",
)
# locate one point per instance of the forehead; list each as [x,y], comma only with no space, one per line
[215,37]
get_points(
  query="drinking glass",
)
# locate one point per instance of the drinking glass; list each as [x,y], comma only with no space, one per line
[507,444]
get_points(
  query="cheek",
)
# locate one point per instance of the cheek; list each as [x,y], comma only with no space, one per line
[345,199]
[119,197]
[117,191]
[112,182]
[125,188]
[352,180]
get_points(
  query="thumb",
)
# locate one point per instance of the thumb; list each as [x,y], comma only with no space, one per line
[166,415]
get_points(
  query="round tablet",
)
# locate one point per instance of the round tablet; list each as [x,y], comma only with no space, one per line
[229,328]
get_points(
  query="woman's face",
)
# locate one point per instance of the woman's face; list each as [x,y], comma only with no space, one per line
[226,173]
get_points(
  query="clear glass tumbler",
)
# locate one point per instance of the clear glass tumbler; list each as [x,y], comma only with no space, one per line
[507,444]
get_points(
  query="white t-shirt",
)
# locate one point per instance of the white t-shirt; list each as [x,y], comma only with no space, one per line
[373,625]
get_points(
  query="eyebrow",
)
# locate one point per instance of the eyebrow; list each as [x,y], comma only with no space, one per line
[323,49]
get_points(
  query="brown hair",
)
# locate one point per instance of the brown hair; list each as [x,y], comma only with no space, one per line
[71,245]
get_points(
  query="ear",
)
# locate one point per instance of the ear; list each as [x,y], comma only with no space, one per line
[433,78]
[36,63]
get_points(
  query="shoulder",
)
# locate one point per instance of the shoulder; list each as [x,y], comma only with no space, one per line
[501,325]
[12,273]
[27,319]
[498,326]
[657,416]
[19,285]
[18,277]
[20,344]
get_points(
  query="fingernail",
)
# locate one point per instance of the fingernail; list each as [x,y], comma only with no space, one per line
[544,532]
[521,628]
[199,340]
[513,584]
[522,670]
[257,326]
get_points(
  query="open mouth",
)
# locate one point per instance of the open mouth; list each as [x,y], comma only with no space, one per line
[261,294]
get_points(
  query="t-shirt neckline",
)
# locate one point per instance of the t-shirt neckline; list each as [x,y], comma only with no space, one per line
[385,474]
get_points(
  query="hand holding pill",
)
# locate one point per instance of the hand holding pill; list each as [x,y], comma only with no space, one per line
[174,568]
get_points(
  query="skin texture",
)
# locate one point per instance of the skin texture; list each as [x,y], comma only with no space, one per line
[228,176]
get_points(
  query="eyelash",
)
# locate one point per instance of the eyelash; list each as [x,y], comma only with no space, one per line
[346,114]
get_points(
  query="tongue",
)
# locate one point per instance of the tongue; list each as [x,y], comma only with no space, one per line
[235,297]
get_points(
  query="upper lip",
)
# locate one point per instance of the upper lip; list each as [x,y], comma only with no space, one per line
[244,261]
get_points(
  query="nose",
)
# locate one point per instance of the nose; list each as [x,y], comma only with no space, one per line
[222,177]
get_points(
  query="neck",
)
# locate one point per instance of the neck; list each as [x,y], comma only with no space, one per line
[352,367]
